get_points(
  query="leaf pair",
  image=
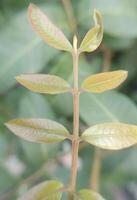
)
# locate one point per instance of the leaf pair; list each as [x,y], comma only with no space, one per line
[51,190]
[108,135]
[51,84]
[53,36]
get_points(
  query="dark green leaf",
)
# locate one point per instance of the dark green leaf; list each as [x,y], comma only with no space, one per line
[107,107]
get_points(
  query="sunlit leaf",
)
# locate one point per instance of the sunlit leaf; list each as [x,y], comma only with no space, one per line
[89,195]
[38,130]
[111,135]
[47,30]
[47,190]
[44,83]
[104,81]
[94,36]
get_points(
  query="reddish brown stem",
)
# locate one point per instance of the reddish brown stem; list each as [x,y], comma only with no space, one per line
[96,168]
[75,141]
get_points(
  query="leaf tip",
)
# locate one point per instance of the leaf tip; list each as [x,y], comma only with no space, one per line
[7,124]
[31,6]
[18,78]
[97,16]
[96,12]
[125,73]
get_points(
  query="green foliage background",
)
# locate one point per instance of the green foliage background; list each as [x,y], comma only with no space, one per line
[22,51]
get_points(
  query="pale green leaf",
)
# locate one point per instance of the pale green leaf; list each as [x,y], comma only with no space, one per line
[104,81]
[47,30]
[111,135]
[43,83]
[85,194]
[94,36]
[98,21]
[38,130]
[47,190]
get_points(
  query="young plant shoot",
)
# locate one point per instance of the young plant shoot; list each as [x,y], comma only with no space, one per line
[113,136]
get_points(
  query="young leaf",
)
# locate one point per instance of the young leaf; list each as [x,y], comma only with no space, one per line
[38,130]
[85,194]
[104,81]
[98,21]
[111,135]
[94,36]
[47,30]
[42,83]
[47,190]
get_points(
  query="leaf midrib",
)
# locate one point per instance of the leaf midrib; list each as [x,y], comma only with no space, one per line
[106,81]
[34,42]
[44,130]
[101,105]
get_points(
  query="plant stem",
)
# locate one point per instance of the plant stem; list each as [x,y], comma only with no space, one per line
[73,177]
[75,96]
[75,141]
[96,168]
[70,15]
[107,57]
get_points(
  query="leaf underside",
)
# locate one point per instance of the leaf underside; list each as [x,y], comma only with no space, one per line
[44,191]
[38,130]
[104,81]
[51,34]
[111,135]
[43,83]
